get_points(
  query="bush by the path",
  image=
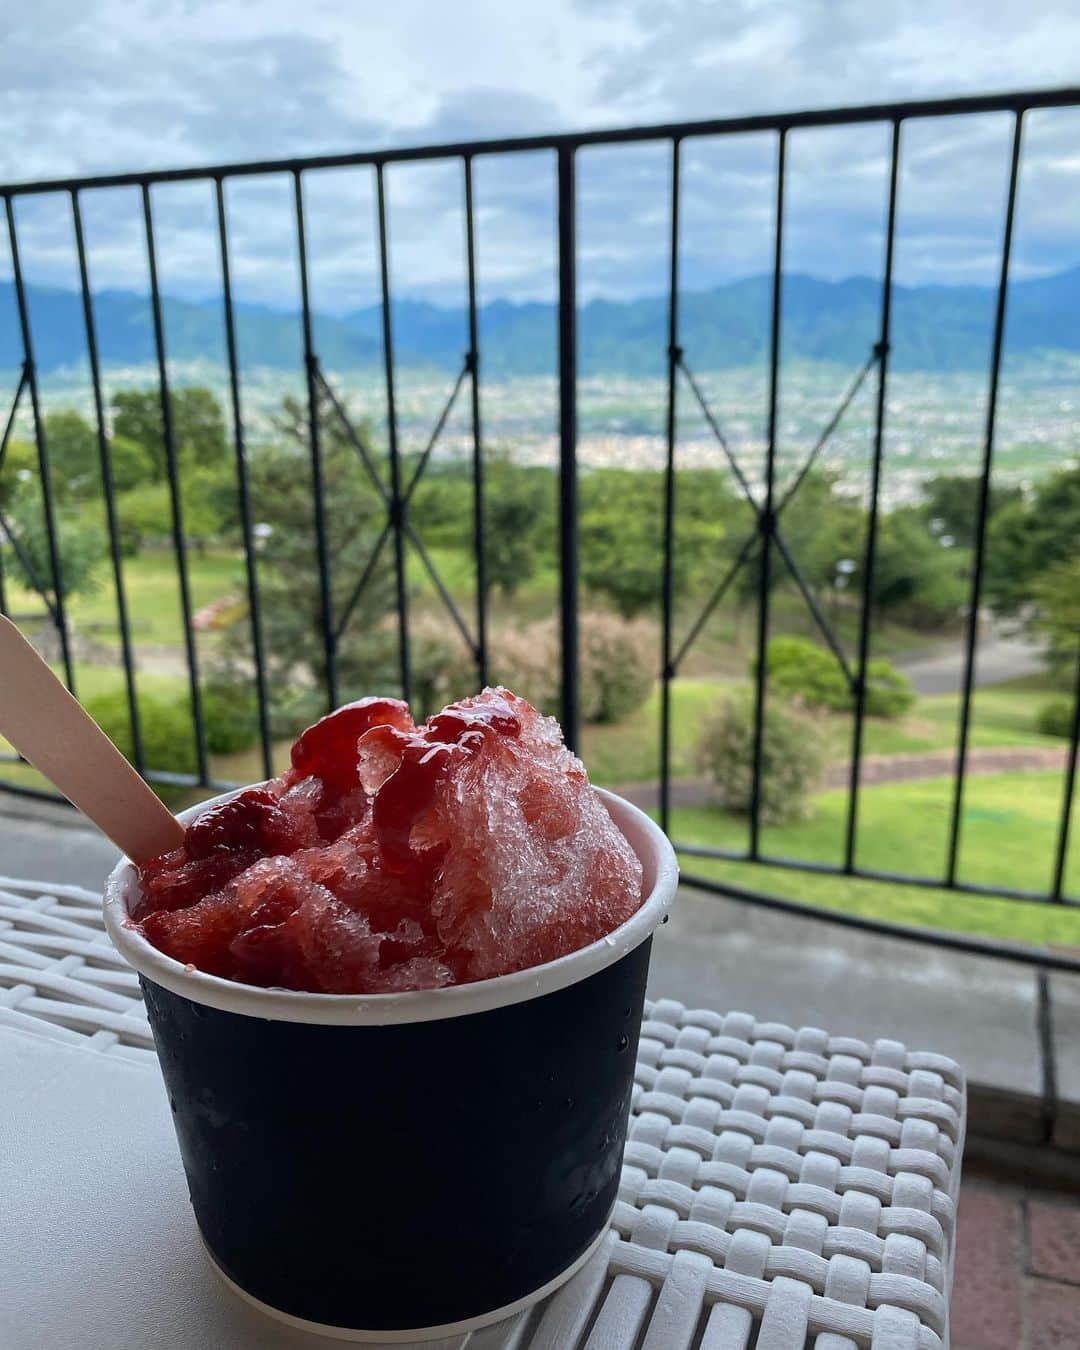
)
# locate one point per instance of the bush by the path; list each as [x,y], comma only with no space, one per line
[799,669]
[617,659]
[792,757]
[1055,717]
[166,729]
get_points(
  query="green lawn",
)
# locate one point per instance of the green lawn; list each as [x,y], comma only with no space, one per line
[629,752]
[1009,834]
[152,592]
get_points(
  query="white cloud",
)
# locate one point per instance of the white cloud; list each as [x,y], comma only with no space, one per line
[95,86]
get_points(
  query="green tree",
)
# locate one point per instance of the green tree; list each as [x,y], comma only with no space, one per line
[1056,612]
[822,528]
[18,469]
[519,506]
[1028,538]
[622,534]
[74,464]
[81,544]
[197,421]
[211,503]
[131,463]
[288,567]
[75,460]
[918,578]
[951,504]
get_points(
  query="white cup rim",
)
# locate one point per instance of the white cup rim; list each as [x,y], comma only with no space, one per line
[661,877]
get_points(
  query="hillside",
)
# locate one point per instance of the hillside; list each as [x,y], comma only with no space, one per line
[942,328]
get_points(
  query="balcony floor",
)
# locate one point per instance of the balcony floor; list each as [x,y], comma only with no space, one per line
[1017,1278]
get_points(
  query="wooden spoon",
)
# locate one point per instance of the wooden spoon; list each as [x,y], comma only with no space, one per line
[51,729]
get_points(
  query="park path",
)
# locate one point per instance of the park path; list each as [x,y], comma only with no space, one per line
[1000,656]
[876,769]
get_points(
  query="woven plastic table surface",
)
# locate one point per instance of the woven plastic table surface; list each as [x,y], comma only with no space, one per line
[781,1188]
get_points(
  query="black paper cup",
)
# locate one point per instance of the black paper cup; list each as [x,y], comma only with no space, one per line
[395,1167]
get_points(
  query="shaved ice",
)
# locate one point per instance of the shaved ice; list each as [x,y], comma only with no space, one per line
[392,856]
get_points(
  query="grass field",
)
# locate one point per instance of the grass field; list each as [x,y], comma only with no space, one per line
[1009,835]
[1010,821]
[628,752]
[152,593]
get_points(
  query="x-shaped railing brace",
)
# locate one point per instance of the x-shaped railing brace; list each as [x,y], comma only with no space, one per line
[397,508]
[11,535]
[767,524]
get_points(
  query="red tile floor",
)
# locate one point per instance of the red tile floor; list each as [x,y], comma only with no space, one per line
[1017,1281]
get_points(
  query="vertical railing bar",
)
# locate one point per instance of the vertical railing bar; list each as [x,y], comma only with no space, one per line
[8,425]
[746,548]
[108,488]
[720,438]
[355,440]
[364,578]
[326,604]
[397,505]
[568,494]
[12,412]
[982,511]
[173,470]
[433,439]
[1068,793]
[667,616]
[830,427]
[243,488]
[865,614]
[766,519]
[479,532]
[42,452]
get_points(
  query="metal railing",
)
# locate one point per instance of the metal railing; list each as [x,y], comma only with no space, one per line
[764,544]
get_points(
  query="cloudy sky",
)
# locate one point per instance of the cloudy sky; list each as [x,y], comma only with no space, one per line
[95,86]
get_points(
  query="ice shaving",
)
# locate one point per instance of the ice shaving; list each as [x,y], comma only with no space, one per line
[393,856]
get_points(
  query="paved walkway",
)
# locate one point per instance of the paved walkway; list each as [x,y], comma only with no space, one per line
[1017,1284]
[1000,656]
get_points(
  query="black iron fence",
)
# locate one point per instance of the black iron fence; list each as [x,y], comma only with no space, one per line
[765,547]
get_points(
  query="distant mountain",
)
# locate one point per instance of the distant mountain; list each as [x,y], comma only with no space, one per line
[934,328]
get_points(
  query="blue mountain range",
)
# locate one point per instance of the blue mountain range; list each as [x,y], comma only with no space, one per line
[935,327]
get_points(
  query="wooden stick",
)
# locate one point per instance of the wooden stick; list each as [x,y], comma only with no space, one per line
[51,729]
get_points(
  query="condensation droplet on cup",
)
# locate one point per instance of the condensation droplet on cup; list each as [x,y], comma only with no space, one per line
[624,1041]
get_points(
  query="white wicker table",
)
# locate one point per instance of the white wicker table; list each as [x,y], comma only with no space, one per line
[781,1189]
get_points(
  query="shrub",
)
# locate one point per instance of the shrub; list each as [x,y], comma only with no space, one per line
[527,661]
[792,757]
[615,664]
[800,669]
[230,720]
[167,731]
[230,715]
[888,690]
[1055,717]
[617,659]
[442,668]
